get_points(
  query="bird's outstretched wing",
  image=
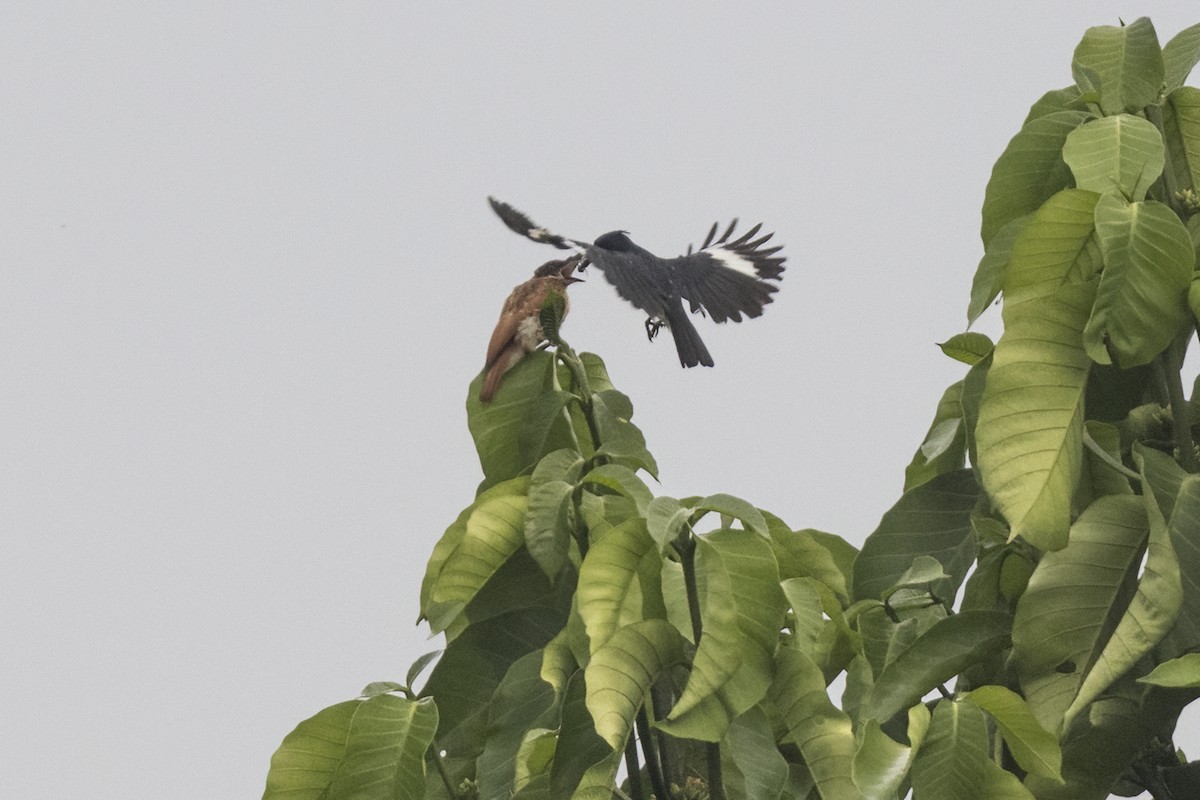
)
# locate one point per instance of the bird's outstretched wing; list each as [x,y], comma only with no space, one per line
[519,223]
[728,278]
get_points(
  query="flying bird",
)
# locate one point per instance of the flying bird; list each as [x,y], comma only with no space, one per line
[520,329]
[725,278]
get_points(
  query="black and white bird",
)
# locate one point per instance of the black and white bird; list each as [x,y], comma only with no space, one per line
[725,278]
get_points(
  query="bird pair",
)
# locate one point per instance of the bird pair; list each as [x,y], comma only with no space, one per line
[724,279]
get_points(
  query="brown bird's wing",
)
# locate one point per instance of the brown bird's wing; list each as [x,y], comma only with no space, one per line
[510,318]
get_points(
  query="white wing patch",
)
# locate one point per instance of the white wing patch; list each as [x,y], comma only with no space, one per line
[733,261]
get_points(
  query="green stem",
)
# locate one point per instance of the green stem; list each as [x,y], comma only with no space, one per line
[685,546]
[650,754]
[1103,455]
[1180,417]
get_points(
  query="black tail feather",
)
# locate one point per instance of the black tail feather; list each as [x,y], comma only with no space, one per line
[688,343]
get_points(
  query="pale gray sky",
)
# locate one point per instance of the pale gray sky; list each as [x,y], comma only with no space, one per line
[249,271]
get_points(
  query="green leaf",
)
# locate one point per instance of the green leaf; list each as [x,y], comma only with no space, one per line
[525,421]
[620,439]
[1000,784]
[1029,172]
[623,481]
[580,750]
[800,554]
[1181,130]
[1178,673]
[810,721]
[608,576]
[944,448]
[949,647]
[1142,299]
[750,746]
[665,518]
[473,665]
[1122,153]
[1057,246]
[1034,748]
[742,609]
[993,267]
[751,518]
[493,532]
[548,515]
[1030,429]
[1128,62]
[972,396]
[1103,477]
[535,755]
[970,348]
[521,701]
[360,748]
[1148,618]
[1180,55]
[1065,99]
[1182,525]
[419,666]
[620,673]
[953,759]
[1060,621]
[881,764]
[933,519]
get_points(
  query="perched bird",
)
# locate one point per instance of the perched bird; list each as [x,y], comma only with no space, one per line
[724,279]
[520,329]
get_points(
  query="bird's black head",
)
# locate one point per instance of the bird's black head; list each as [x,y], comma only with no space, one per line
[618,241]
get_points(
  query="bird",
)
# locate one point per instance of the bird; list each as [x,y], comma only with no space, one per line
[520,328]
[724,279]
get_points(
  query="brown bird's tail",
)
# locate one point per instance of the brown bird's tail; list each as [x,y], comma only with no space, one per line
[688,343]
[491,381]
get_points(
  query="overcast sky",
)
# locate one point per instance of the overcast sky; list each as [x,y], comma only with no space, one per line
[249,271]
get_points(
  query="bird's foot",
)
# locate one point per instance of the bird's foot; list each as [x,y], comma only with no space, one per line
[653,326]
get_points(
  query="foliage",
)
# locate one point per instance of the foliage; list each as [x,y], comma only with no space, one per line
[1023,623]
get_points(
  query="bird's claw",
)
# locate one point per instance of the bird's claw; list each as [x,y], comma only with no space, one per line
[653,326]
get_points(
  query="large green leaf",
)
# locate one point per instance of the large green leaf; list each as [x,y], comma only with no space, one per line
[822,731]
[580,749]
[1180,55]
[952,761]
[944,448]
[1057,246]
[1060,622]
[760,771]
[1142,299]
[1064,99]
[620,439]
[521,701]
[525,421]
[1148,618]
[548,515]
[881,764]
[949,647]
[1029,172]
[993,267]
[933,519]
[493,531]
[1181,129]
[620,673]
[360,748]
[1123,154]
[1182,525]
[1030,430]
[1128,62]
[622,480]
[473,666]
[1178,673]
[608,580]
[799,554]
[1034,748]
[742,609]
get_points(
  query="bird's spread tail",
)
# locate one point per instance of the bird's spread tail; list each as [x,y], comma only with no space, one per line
[688,343]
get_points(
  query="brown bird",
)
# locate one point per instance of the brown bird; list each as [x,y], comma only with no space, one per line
[519,330]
